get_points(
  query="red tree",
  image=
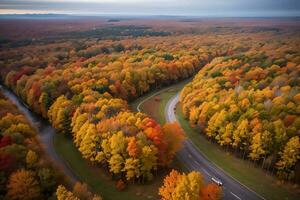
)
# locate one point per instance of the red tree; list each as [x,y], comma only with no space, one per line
[211,192]
[5,141]
[7,163]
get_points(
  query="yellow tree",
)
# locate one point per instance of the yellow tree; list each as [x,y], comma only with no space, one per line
[106,148]
[194,115]
[215,124]
[240,133]
[256,147]
[116,163]
[226,137]
[89,142]
[288,158]
[132,168]
[78,121]
[212,126]
[24,129]
[59,114]
[79,135]
[166,191]
[189,186]
[63,194]
[118,143]
[31,159]
[148,160]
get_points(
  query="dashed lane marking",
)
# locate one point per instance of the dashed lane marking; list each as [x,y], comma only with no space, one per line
[236,196]
[205,172]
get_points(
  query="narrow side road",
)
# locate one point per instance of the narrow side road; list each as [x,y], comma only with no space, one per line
[193,159]
[46,133]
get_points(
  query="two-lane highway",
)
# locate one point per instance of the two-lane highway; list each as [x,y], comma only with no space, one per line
[193,159]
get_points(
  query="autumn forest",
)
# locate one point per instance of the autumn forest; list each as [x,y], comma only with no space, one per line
[239,92]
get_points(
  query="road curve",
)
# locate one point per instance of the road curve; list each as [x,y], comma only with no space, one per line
[193,159]
[189,155]
[46,133]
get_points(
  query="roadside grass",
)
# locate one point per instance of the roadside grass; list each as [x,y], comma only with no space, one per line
[155,106]
[157,103]
[151,106]
[244,171]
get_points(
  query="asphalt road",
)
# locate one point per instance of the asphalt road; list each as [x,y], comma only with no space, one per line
[193,159]
[46,133]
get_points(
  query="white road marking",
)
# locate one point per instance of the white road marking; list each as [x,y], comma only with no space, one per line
[236,196]
[197,162]
[205,172]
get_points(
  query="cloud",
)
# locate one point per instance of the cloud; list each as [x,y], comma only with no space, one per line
[159,7]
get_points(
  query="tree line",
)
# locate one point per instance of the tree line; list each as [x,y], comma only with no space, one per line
[250,104]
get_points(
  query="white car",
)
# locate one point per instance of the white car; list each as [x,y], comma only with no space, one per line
[217,181]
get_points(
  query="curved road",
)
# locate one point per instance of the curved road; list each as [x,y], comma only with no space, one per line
[46,133]
[189,155]
[193,159]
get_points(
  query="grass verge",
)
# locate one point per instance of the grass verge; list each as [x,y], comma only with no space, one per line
[154,103]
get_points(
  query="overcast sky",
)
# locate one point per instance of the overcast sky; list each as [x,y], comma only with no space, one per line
[209,8]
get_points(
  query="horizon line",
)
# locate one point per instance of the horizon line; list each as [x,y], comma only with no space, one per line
[148,15]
